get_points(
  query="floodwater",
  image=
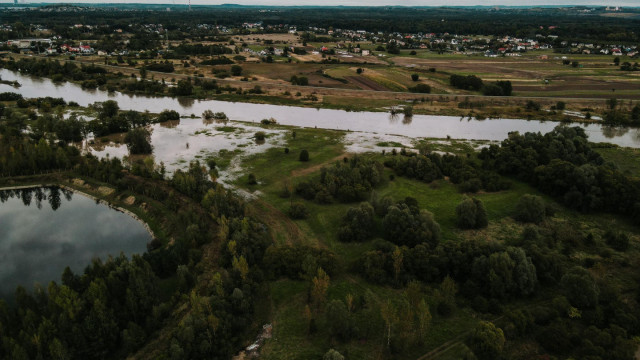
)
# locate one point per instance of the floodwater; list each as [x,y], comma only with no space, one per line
[44,230]
[419,126]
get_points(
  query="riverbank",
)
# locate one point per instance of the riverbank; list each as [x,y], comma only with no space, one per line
[451,104]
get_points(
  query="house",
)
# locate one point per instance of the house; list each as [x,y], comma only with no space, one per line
[85,49]
[366,52]
[616,52]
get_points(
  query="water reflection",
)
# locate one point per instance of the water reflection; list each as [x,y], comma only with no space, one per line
[45,229]
[407,119]
[40,194]
[611,132]
[170,124]
[186,102]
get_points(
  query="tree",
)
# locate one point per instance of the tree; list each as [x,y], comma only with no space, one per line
[390,317]
[580,288]
[616,61]
[138,141]
[304,155]
[358,224]
[339,320]
[332,355]
[184,88]
[236,70]
[471,214]
[298,211]
[207,115]
[530,208]
[107,109]
[410,226]
[487,341]
[320,285]
[397,257]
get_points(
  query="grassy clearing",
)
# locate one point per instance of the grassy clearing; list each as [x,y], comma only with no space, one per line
[626,159]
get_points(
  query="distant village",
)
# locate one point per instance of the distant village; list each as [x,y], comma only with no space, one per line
[341,42]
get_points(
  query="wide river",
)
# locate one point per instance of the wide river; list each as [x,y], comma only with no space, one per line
[373,122]
[44,230]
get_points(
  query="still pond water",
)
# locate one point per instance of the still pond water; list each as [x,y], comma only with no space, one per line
[44,230]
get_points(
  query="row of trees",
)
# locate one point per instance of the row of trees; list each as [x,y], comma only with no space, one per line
[466,173]
[474,83]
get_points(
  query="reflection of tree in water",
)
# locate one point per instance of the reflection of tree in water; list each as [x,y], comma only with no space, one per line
[407,119]
[636,135]
[170,124]
[614,131]
[39,194]
[393,118]
[186,102]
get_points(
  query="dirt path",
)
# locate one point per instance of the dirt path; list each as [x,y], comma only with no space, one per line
[314,168]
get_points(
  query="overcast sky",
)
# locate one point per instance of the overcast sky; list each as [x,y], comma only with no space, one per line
[364,2]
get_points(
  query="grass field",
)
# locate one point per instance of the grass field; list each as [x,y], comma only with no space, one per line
[288,298]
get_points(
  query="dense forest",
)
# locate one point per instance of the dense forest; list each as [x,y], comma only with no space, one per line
[526,22]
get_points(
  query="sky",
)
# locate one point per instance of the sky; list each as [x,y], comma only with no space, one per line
[635,3]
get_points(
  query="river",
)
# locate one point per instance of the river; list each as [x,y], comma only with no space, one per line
[419,126]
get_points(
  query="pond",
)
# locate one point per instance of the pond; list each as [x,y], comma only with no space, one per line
[45,229]
[419,126]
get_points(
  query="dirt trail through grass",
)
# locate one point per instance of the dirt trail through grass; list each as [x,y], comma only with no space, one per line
[314,168]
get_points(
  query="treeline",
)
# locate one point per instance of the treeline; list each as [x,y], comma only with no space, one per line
[200,49]
[474,83]
[563,164]
[57,71]
[518,22]
[466,173]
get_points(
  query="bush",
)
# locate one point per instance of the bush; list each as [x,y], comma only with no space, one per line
[415,77]
[471,214]
[617,240]
[304,155]
[530,208]
[421,88]
[532,106]
[299,80]
[487,341]
[251,179]
[260,136]
[470,82]
[298,211]
[236,70]
[168,115]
